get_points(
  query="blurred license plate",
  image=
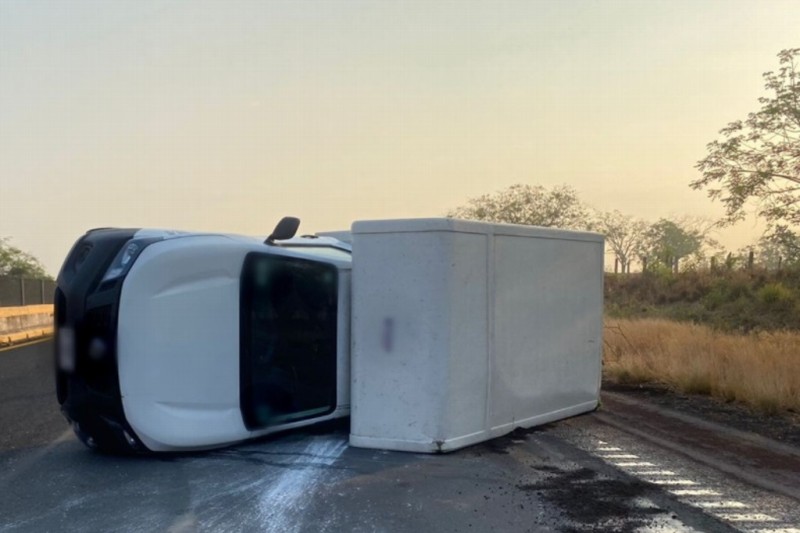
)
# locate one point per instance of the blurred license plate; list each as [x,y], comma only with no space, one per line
[66,349]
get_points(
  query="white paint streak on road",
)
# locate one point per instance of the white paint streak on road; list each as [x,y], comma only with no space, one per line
[26,464]
[280,507]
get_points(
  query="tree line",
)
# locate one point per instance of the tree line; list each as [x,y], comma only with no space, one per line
[661,244]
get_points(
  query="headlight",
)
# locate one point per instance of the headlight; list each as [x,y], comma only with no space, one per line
[125,258]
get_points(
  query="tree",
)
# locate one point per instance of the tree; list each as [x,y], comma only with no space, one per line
[669,242]
[779,248]
[625,235]
[757,160]
[15,262]
[533,205]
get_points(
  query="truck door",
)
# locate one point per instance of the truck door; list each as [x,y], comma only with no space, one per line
[287,366]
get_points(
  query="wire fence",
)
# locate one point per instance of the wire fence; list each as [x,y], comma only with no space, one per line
[22,291]
[718,263]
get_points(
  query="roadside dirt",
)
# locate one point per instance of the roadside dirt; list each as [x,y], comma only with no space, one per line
[784,428]
[729,440]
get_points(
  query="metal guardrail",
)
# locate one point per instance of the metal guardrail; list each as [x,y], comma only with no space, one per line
[22,291]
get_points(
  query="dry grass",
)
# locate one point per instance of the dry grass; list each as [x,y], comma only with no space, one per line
[761,370]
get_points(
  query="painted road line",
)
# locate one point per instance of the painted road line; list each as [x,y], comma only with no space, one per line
[747,517]
[695,492]
[713,502]
[684,482]
[722,504]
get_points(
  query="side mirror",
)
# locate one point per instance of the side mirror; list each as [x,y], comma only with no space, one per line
[286,229]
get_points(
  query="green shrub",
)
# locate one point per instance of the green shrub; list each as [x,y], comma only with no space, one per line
[729,300]
[775,294]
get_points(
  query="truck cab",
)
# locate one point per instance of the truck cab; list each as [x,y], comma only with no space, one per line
[183,341]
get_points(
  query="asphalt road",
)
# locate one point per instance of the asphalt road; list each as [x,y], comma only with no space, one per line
[572,476]
[29,414]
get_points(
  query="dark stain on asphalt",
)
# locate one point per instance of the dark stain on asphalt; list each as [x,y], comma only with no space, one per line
[594,503]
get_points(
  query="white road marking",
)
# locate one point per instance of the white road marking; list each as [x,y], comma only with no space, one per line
[632,464]
[685,482]
[747,517]
[715,504]
[695,492]
[722,504]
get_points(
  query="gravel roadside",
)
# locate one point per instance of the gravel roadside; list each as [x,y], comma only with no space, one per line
[784,427]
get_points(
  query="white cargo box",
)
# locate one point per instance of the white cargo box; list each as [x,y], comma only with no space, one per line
[463,331]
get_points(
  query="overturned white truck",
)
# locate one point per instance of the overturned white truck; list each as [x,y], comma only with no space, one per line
[431,334]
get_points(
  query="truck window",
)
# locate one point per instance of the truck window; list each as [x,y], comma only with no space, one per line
[288,340]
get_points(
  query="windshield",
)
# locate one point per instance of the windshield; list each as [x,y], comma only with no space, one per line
[288,344]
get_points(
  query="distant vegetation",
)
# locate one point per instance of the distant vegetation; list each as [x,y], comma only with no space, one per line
[664,243]
[17,263]
[731,333]
[732,300]
[758,370]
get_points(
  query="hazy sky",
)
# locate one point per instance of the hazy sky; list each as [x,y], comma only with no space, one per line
[228,115]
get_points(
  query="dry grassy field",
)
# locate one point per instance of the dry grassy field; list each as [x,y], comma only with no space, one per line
[761,370]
